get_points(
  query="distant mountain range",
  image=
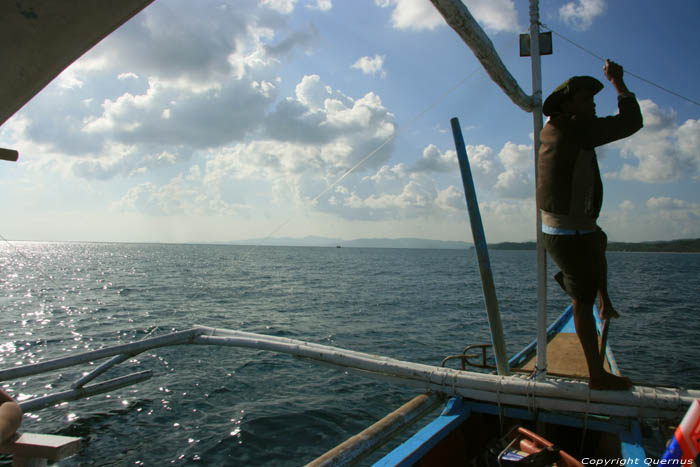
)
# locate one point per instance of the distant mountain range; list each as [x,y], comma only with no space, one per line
[676,246]
[358,243]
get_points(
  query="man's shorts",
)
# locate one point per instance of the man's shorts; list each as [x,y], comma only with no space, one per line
[580,258]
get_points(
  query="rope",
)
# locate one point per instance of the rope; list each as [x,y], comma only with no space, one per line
[642,390]
[585,422]
[498,401]
[593,54]
[531,395]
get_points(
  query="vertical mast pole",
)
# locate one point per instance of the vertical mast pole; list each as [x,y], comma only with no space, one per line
[541,367]
[482,253]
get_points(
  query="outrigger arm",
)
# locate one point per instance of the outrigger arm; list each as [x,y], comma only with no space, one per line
[558,395]
[461,20]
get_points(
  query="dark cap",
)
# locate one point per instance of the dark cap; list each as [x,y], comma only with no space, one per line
[552,105]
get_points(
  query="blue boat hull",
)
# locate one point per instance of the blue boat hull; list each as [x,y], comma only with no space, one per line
[469,432]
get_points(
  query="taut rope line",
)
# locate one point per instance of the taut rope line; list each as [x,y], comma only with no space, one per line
[593,54]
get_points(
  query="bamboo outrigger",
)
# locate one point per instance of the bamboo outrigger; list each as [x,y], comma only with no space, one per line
[515,390]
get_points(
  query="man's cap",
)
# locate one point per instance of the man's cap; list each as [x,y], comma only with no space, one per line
[552,105]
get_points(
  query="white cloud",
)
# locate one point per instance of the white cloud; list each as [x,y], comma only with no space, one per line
[663,202]
[201,78]
[401,191]
[309,141]
[371,66]
[580,14]
[180,196]
[123,76]
[169,115]
[517,180]
[433,160]
[450,198]
[302,39]
[311,93]
[68,79]
[280,6]
[322,5]
[627,205]
[516,156]
[509,174]
[387,174]
[496,15]
[119,159]
[668,218]
[514,184]
[664,151]
[500,218]
[412,14]
[481,160]
[410,198]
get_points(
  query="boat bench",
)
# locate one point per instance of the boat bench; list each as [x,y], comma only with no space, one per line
[34,450]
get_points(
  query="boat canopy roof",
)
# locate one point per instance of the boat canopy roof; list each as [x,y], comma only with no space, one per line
[41,38]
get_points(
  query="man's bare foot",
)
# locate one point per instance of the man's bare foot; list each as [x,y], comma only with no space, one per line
[610,382]
[607,311]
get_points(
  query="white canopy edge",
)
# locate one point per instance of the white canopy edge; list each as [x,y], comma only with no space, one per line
[41,38]
[460,19]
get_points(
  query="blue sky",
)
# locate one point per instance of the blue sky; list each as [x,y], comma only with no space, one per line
[227,120]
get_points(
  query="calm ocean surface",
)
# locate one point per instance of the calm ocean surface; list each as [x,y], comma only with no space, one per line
[211,405]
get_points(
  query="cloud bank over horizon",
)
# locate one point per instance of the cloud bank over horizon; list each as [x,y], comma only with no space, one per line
[189,111]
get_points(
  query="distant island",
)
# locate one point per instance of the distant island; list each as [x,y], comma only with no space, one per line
[358,243]
[672,246]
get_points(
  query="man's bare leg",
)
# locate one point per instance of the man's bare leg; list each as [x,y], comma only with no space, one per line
[10,416]
[606,308]
[588,335]
[10,419]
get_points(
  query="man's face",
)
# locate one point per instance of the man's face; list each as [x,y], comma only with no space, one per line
[581,104]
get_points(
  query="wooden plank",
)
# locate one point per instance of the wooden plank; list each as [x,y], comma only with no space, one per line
[565,357]
[40,446]
[356,447]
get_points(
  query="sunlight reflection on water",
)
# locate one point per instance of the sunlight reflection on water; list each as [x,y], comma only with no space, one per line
[228,406]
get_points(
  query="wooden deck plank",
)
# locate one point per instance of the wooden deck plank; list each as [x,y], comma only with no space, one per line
[564,357]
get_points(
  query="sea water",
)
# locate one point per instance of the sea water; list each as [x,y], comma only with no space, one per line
[209,405]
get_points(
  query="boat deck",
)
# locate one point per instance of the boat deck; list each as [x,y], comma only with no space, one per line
[564,357]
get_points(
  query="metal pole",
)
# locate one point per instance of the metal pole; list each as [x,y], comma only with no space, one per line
[541,367]
[482,253]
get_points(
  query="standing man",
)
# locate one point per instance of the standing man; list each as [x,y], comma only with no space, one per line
[570,195]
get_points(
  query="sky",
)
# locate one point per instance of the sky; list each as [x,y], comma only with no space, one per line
[216,120]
